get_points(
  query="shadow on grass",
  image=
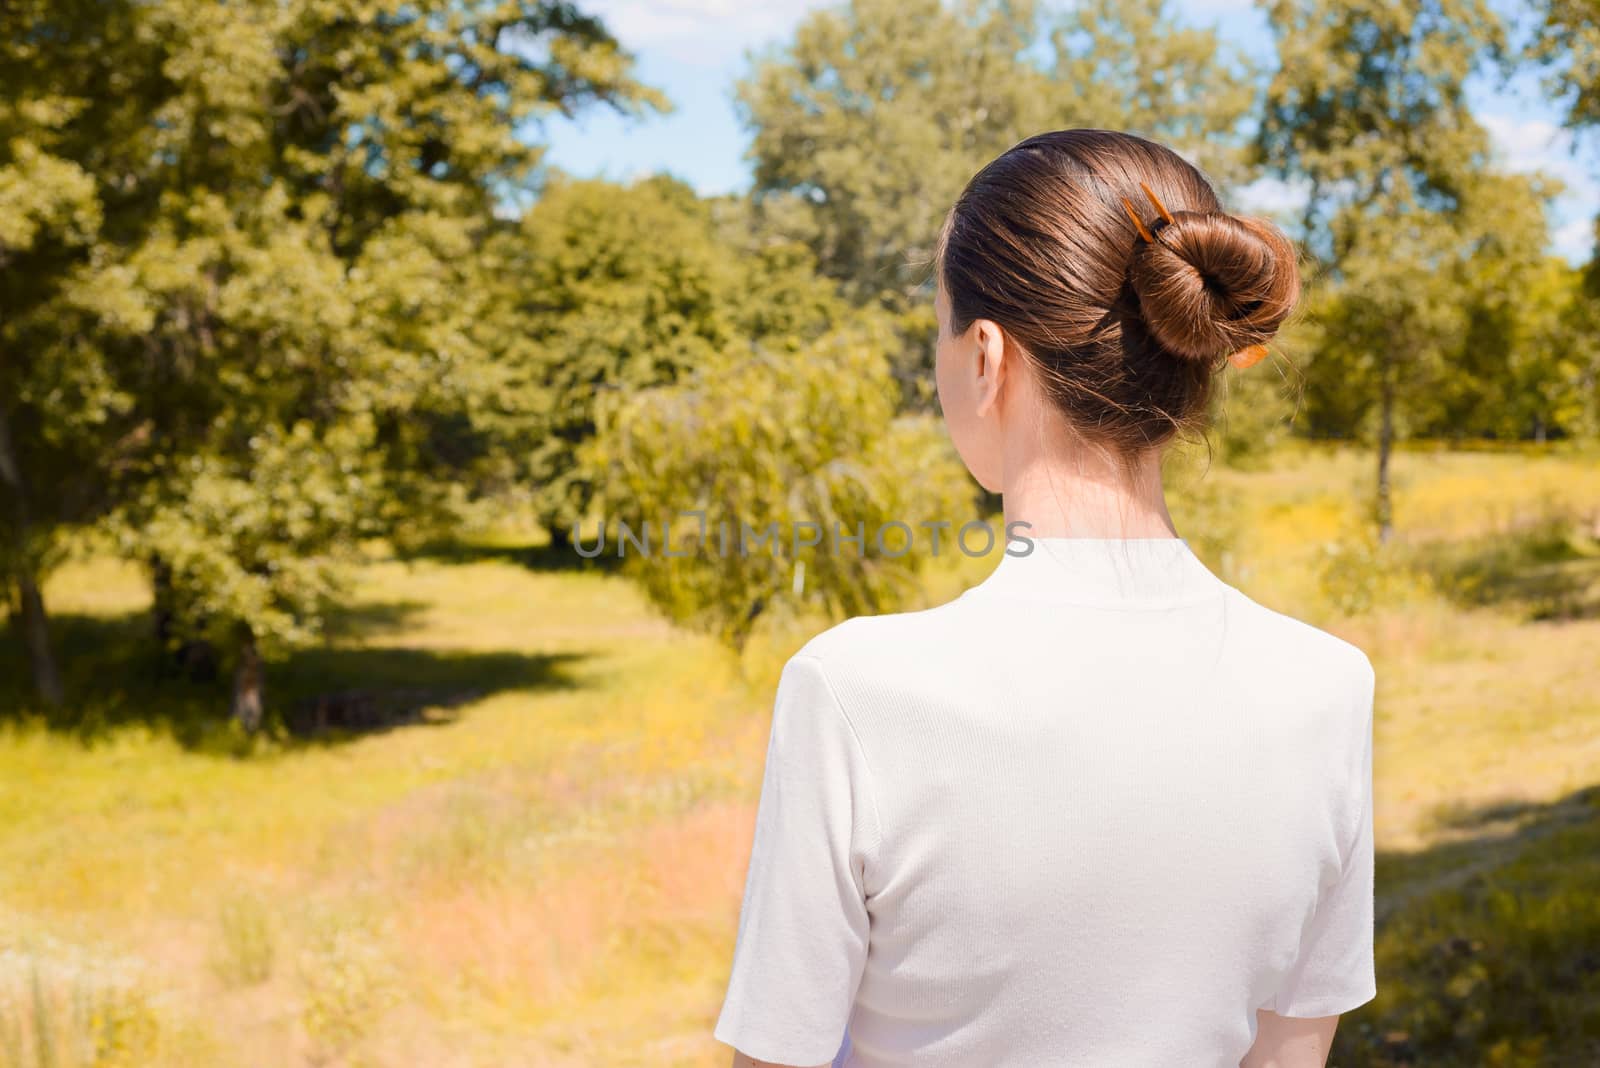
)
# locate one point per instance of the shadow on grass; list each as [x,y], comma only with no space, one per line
[552,556]
[116,679]
[1549,571]
[373,619]
[1488,946]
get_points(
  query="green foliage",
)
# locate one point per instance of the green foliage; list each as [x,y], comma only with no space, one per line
[1357,573]
[609,288]
[1486,334]
[1566,42]
[758,442]
[242,251]
[877,113]
[1367,108]
[1495,966]
[1432,286]
[1546,566]
[1556,364]
[1254,410]
[1367,105]
[871,120]
[274,278]
[1423,251]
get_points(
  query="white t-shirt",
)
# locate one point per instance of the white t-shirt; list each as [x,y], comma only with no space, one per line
[1096,811]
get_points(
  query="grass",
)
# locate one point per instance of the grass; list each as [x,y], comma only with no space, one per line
[464,886]
[244,950]
[542,864]
[62,1011]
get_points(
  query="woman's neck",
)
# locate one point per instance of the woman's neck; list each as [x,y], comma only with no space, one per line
[1062,489]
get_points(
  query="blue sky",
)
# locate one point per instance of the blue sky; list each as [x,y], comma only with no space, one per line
[694,50]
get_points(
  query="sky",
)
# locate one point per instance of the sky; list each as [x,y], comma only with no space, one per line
[694,51]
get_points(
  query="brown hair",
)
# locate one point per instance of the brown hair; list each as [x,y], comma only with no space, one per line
[1126,334]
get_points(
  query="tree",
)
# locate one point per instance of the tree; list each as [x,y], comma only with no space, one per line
[1513,370]
[1565,41]
[69,74]
[623,287]
[1469,359]
[1367,108]
[1554,351]
[748,479]
[246,331]
[867,124]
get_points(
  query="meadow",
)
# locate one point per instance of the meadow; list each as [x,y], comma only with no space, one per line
[535,857]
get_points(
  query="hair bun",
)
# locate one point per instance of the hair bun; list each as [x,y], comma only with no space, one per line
[1211,284]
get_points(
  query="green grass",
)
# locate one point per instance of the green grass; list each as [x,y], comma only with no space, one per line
[1493,956]
[541,864]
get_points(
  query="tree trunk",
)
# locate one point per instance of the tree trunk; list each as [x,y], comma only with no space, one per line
[249,681]
[1385,510]
[194,659]
[36,637]
[34,620]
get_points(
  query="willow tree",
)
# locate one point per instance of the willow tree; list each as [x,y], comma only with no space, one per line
[776,479]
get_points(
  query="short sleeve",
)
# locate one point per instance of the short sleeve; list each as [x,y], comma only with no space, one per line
[803,925]
[1334,972]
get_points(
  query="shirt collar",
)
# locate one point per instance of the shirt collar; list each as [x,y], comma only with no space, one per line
[1128,572]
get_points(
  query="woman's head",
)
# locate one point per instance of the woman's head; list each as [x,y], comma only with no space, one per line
[1042,271]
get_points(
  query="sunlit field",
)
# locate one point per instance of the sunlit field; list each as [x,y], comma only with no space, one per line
[535,855]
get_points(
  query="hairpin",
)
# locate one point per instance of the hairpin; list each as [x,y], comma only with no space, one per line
[1248,357]
[1161,209]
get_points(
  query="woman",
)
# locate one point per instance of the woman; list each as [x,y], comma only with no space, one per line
[1102,809]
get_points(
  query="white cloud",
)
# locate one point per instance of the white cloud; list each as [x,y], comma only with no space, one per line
[1274,196]
[1525,145]
[1574,240]
[703,32]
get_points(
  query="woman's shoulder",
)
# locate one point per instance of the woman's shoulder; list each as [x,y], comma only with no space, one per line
[873,638]
[1274,637]
[903,653]
[1296,635]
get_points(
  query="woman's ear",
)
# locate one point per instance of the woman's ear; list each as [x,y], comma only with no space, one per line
[993,366]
